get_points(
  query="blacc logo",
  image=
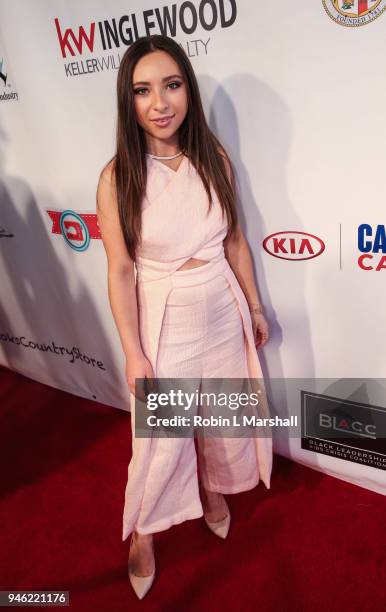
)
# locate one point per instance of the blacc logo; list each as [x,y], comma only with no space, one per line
[344,429]
[293,245]
[347,425]
[372,243]
[77,229]
[354,13]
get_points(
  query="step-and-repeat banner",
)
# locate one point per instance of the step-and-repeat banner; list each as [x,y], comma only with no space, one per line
[296,91]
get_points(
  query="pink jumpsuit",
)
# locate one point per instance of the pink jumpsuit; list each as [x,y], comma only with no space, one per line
[193,323]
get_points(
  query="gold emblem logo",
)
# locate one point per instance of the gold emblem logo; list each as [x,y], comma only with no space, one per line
[354,13]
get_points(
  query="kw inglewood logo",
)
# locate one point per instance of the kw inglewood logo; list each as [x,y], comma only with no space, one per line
[84,44]
[77,229]
[354,13]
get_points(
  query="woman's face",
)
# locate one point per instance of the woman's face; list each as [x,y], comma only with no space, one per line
[159,92]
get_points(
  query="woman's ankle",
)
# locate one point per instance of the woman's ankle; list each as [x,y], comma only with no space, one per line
[143,537]
[210,495]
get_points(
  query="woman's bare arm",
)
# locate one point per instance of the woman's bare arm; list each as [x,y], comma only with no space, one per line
[121,279]
[239,256]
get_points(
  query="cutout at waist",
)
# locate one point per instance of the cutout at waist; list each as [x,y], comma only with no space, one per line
[196,264]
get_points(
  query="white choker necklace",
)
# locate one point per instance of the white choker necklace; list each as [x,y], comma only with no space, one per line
[163,157]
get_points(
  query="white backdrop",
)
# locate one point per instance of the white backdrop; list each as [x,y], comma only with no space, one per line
[298,100]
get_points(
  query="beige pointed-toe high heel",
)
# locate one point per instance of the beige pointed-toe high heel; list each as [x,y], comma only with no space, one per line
[140,584]
[220,528]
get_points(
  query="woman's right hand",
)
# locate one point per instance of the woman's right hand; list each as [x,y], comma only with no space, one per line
[138,366]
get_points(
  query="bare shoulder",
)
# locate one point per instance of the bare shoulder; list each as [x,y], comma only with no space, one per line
[107,174]
[109,222]
[106,193]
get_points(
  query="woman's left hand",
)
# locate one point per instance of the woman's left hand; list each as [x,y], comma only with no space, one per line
[260,329]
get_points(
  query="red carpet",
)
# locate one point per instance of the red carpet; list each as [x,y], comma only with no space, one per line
[312,542]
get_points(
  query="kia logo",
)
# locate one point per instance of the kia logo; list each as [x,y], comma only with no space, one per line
[293,245]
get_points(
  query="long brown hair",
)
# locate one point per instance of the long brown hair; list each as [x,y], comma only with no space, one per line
[195,139]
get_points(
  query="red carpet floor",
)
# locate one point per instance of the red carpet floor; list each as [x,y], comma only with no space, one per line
[311,543]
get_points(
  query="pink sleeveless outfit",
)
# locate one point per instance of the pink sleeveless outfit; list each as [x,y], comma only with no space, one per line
[193,323]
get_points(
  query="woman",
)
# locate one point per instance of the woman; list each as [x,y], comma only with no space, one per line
[177,259]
